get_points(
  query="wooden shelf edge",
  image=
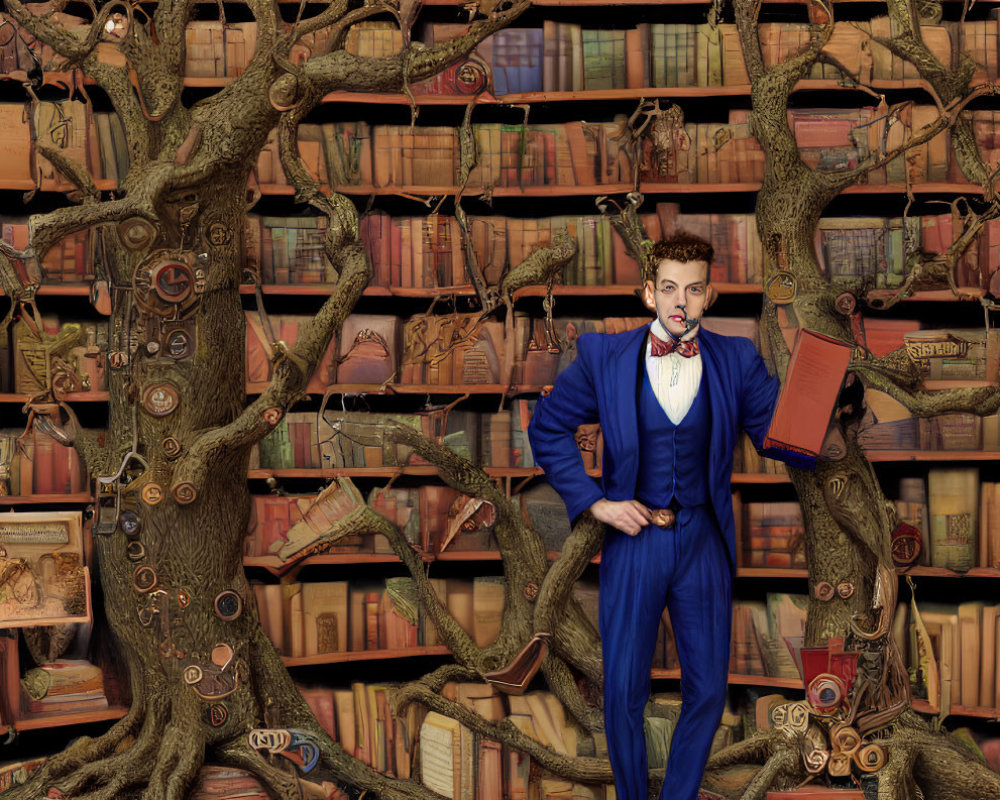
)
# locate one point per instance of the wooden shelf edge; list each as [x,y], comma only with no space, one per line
[924,707]
[364,655]
[80,498]
[39,722]
[739,680]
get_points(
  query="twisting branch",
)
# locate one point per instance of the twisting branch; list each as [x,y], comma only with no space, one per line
[329,15]
[845,178]
[578,768]
[74,171]
[343,71]
[293,368]
[979,400]
[44,230]
[73,48]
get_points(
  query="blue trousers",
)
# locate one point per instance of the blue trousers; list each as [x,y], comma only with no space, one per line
[686,569]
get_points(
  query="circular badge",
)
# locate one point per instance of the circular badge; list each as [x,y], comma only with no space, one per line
[193,674]
[171,447]
[178,344]
[530,591]
[183,598]
[228,605]
[219,234]
[173,281]
[134,551]
[160,399]
[273,415]
[152,493]
[185,493]
[144,579]
[845,303]
[824,591]
[845,590]
[136,233]
[130,522]
[781,288]
[218,714]
[825,693]
[152,348]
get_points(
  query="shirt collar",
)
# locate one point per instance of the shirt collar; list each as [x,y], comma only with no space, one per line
[659,331]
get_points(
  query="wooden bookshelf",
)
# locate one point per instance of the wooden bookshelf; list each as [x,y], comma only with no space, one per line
[40,721]
[364,655]
[741,680]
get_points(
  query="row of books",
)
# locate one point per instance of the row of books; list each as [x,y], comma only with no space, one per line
[304,440]
[441,349]
[35,464]
[519,155]
[426,252]
[432,518]
[960,666]
[956,514]
[462,765]
[563,56]
[593,154]
[310,619]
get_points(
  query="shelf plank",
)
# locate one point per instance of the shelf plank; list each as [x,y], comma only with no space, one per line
[77,498]
[72,397]
[877,456]
[364,655]
[379,472]
[41,721]
[740,680]
[923,707]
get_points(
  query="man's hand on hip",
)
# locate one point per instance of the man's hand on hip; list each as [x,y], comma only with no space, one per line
[628,516]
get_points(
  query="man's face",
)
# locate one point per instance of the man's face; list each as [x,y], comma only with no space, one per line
[679,295]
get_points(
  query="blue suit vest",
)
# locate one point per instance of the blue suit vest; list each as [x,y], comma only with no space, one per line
[673,460]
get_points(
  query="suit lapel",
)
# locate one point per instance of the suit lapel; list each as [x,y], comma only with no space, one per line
[711,371]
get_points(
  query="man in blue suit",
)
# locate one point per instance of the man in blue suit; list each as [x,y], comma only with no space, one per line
[671,399]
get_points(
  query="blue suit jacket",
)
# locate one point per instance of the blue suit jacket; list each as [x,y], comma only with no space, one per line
[600,386]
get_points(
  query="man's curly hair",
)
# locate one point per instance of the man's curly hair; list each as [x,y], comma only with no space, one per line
[679,246]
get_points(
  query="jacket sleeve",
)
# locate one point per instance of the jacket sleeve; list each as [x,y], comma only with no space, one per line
[571,403]
[758,395]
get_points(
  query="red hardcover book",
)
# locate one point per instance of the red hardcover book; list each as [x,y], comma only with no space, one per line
[813,380]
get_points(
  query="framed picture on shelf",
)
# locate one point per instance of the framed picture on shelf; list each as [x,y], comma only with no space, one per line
[43,580]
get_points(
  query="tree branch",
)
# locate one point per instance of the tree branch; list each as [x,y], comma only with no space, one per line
[979,400]
[72,48]
[44,230]
[340,70]
[74,171]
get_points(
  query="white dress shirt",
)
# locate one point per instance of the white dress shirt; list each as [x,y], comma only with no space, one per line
[674,378]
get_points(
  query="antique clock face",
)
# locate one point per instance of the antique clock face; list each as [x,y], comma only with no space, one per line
[166,284]
[173,281]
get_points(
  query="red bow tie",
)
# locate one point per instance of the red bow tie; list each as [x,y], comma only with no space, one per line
[685,348]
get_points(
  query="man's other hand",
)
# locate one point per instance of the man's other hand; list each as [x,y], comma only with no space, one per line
[628,516]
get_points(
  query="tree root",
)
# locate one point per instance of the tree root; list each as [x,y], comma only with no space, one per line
[756,749]
[783,770]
